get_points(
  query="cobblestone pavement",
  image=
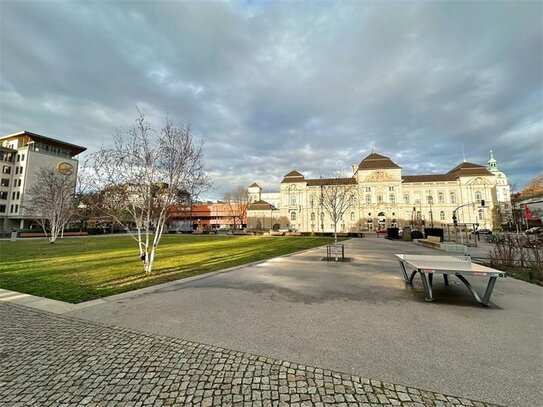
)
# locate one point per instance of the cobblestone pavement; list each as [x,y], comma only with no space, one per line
[52,360]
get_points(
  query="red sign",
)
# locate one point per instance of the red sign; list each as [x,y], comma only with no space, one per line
[527,213]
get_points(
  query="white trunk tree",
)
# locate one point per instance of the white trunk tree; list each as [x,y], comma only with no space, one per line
[337,195]
[51,201]
[144,174]
[237,202]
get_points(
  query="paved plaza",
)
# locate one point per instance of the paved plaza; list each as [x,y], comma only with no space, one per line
[357,318]
[51,360]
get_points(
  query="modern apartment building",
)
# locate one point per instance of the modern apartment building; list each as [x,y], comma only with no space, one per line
[22,155]
[385,197]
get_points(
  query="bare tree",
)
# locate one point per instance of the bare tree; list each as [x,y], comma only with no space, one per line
[337,195]
[141,179]
[237,202]
[51,201]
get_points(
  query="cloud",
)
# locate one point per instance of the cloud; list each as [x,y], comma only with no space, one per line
[273,86]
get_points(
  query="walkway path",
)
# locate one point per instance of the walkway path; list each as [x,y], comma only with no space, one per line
[52,360]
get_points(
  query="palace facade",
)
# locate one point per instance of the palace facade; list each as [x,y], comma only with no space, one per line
[381,197]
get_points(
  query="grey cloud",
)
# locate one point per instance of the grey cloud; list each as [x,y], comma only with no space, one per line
[273,86]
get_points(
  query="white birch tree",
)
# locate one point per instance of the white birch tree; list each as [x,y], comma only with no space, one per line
[144,174]
[51,201]
[337,195]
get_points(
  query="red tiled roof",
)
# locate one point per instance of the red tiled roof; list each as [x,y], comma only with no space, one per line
[376,161]
[260,205]
[293,176]
[331,181]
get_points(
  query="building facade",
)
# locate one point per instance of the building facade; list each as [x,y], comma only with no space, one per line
[22,155]
[383,197]
[206,217]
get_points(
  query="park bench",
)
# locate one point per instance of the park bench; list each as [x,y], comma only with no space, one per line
[431,241]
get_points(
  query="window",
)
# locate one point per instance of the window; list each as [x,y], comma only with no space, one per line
[6,169]
[417,199]
[18,196]
[430,199]
[392,199]
[22,157]
[3,195]
[379,198]
[452,197]
[390,189]
[292,215]
[441,215]
[368,189]
[312,216]
[481,214]
[2,208]
[478,196]
[13,195]
[352,215]
[20,170]
[19,183]
[369,224]
[292,201]
[406,198]
[368,199]
[369,214]
[4,182]
[440,197]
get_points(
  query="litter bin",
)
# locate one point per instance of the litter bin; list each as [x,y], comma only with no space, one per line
[14,236]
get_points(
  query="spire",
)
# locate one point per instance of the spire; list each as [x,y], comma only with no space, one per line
[492,164]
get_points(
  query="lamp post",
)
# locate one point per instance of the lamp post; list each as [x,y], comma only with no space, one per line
[431,201]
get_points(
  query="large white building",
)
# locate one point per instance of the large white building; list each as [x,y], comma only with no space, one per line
[22,155]
[384,197]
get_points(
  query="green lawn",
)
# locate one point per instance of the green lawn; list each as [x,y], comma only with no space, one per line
[82,269]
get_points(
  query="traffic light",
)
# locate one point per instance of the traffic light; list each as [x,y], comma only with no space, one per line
[455,222]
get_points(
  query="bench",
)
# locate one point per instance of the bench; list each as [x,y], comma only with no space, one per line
[431,241]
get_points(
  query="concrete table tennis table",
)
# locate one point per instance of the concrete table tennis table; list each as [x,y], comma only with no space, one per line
[460,266]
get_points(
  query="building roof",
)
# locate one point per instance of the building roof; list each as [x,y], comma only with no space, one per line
[254,185]
[260,205]
[293,176]
[331,181]
[376,161]
[467,169]
[73,148]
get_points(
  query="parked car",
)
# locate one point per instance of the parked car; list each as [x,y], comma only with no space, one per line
[538,230]
[483,232]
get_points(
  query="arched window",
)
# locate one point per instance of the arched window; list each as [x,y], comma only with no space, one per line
[481,214]
[441,215]
[452,197]
[381,214]
[313,216]
[352,215]
[392,199]
[440,197]
[292,215]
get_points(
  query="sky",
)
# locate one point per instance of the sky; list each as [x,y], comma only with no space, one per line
[272,86]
